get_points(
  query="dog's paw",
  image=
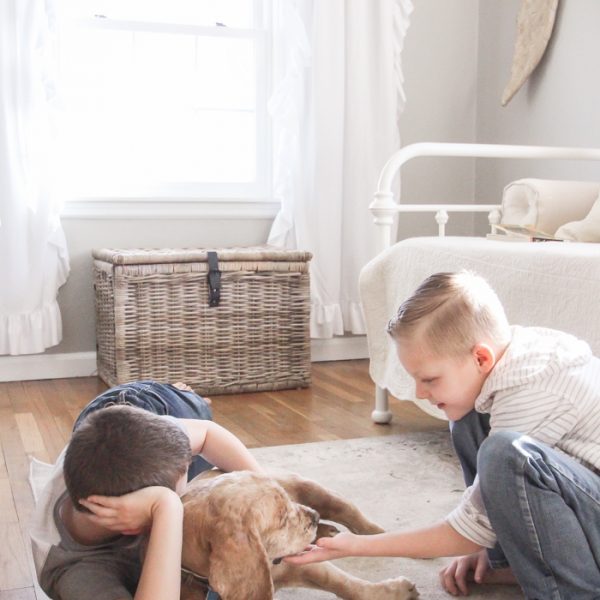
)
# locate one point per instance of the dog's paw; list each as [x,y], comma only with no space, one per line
[326,530]
[399,588]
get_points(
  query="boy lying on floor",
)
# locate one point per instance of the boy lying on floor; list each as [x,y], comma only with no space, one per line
[119,477]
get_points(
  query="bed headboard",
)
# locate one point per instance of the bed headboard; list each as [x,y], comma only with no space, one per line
[384,208]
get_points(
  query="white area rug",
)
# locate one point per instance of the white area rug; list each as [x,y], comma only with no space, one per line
[398,481]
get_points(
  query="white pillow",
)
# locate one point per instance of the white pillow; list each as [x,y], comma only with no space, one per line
[586,230]
[546,204]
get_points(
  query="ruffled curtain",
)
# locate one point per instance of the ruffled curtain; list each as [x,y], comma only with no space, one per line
[33,254]
[338,94]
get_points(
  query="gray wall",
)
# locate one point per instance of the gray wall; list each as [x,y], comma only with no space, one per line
[560,103]
[441,106]
[456,61]
[440,80]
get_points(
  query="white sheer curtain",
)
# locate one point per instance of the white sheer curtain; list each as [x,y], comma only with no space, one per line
[338,94]
[33,255]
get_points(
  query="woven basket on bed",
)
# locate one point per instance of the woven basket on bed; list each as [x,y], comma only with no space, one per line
[153,318]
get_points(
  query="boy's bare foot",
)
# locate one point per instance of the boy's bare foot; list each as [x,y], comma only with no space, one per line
[186,388]
[183,386]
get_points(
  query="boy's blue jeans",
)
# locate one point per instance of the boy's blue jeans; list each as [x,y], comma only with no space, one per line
[158,398]
[543,505]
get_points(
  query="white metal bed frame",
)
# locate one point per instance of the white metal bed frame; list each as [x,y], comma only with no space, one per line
[384,208]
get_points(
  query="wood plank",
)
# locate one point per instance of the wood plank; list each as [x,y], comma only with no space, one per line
[341,424]
[248,416]
[14,567]
[31,438]
[39,594]
[18,400]
[3,470]
[17,461]
[8,512]
[247,439]
[53,440]
[4,396]
[327,384]
[16,506]
[349,373]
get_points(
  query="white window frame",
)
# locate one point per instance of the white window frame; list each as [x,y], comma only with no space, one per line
[195,199]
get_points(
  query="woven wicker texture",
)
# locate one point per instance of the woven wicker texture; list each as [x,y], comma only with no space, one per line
[154,321]
[137,256]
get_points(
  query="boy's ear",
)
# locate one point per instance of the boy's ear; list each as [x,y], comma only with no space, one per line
[485,357]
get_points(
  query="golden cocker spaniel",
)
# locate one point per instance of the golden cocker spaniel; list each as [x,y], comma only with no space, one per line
[237,525]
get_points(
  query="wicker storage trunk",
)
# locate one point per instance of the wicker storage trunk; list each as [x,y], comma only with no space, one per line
[154,318]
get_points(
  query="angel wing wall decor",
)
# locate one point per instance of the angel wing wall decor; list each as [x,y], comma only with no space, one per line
[534,28]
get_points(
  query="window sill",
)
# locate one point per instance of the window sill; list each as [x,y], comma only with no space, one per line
[227,208]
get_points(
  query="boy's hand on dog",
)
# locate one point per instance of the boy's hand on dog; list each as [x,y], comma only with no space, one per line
[132,513]
[325,548]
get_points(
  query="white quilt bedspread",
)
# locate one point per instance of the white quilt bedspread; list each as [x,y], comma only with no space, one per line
[550,284]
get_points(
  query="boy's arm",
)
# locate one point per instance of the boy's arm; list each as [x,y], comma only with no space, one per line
[158,510]
[219,446]
[434,541]
[161,571]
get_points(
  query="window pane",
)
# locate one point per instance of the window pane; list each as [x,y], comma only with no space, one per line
[155,107]
[201,72]
[218,146]
[230,13]
[211,146]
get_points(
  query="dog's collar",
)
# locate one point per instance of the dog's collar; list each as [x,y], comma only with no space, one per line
[199,578]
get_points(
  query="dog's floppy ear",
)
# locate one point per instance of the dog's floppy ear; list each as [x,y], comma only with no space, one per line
[239,566]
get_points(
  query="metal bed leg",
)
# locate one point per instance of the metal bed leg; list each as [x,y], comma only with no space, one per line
[381,415]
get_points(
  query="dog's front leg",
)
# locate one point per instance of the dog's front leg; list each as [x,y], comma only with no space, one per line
[325,576]
[330,505]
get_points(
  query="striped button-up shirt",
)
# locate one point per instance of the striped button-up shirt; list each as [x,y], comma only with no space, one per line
[547,386]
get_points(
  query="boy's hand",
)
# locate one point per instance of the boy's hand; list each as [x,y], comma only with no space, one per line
[132,513]
[473,567]
[326,548]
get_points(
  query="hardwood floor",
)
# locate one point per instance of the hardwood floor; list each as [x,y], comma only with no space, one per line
[36,418]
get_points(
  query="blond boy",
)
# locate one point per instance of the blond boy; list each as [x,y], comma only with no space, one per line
[524,411]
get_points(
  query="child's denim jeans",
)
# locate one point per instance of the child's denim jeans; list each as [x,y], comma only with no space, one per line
[544,507]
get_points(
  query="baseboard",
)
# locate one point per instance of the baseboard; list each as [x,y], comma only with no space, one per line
[339,348]
[83,364]
[47,366]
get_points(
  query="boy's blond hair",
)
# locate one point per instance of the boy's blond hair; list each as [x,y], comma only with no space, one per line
[450,313]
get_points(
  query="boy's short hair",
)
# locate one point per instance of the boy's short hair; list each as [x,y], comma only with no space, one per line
[450,313]
[120,449]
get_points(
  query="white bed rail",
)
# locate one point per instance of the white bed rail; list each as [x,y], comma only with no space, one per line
[384,208]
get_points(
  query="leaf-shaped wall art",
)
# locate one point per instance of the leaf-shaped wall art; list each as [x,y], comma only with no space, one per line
[534,28]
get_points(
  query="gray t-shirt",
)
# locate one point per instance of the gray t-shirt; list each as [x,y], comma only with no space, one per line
[66,569]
